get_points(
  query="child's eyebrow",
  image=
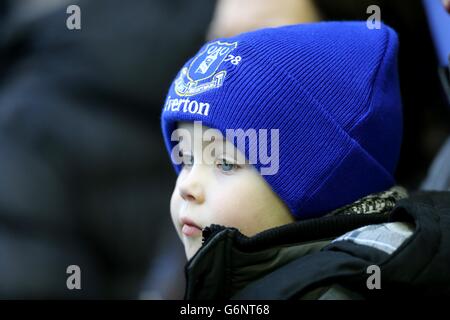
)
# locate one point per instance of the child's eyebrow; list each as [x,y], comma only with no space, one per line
[185,151]
[212,139]
[183,147]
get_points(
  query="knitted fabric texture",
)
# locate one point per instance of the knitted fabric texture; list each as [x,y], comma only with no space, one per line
[330,89]
[376,203]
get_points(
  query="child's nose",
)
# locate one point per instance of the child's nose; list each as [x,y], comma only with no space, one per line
[191,189]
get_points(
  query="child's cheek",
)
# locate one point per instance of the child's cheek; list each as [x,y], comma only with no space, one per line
[233,209]
[175,204]
[221,208]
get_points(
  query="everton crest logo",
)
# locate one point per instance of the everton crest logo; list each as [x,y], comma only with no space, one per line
[203,72]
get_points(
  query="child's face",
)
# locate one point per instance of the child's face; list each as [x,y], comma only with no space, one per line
[220,189]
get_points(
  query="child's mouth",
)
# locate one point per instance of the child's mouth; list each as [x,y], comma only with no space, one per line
[191,231]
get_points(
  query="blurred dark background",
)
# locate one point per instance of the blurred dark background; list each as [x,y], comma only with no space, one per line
[84,177]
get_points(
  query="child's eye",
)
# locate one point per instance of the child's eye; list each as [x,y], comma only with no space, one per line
[226,166]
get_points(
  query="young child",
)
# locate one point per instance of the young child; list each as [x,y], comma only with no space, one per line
[284,139]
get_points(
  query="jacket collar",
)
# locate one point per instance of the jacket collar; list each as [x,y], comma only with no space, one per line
[228,260]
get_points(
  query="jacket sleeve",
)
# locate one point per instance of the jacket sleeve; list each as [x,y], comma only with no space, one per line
[333,292]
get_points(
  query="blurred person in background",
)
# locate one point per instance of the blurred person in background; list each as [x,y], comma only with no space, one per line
[446,4]
[426,117]
[438,176]
[83,179]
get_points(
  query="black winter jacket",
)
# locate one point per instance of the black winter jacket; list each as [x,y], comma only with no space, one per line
[304,260]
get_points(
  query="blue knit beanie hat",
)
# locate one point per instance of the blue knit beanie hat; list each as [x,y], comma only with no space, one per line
[330,88]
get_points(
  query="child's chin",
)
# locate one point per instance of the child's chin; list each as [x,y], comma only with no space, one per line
[191,247]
